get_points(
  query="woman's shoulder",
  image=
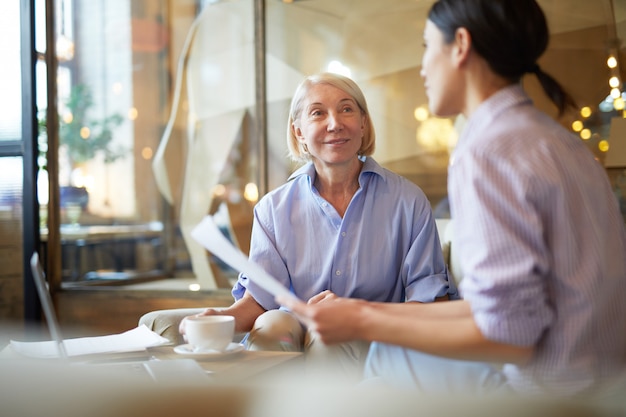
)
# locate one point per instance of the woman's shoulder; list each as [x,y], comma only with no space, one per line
[294,186]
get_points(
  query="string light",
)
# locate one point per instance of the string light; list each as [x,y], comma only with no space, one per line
[585,112]
[611,62]
[614,82]
[585,134]
[589,125]
[603,145]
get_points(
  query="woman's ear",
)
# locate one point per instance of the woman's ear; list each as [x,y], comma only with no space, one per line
[297,132]
[462,45]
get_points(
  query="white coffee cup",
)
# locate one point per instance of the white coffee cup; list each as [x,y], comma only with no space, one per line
[209,332]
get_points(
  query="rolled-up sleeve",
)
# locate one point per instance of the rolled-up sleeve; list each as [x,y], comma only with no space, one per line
[505,260]
[424,268]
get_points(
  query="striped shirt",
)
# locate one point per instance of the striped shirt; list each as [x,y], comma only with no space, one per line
[542,245]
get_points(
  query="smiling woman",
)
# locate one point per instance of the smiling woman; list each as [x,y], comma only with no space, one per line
[329,126]
[341,225]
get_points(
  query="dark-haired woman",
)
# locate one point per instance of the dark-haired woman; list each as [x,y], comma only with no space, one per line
[537,228]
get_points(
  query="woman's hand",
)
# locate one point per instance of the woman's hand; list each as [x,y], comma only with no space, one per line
[334,318]
[207,312]
[323,296]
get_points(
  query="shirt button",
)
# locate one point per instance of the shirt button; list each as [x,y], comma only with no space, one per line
[337,273]
[343,233]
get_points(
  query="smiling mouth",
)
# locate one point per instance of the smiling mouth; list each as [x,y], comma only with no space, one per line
[337,142]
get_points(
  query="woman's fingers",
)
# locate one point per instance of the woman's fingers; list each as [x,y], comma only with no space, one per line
[323,296]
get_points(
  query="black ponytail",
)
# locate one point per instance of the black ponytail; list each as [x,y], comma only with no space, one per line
[555,91]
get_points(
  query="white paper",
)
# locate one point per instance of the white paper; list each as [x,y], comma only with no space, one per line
[133,340]
[209,235]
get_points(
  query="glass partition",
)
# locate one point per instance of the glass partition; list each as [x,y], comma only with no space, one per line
[156,129]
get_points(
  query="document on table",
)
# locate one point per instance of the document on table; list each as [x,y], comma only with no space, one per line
[208,234]
[137,339]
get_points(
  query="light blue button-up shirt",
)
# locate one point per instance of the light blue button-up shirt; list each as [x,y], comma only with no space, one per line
[542,245]
[385,248]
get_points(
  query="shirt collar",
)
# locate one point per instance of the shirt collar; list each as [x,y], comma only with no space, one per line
[369,165]
[490,109]
[495,105]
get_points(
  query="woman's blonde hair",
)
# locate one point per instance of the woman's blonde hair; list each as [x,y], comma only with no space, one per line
[297,151]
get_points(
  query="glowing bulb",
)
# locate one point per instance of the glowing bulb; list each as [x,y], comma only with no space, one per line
[251,192]
[68,117]
[585,112]
[615,93]
[618,104]
[611,62]
[585,134]
[603,145]
[577,126]
[132,113]
[194,287]
[85,132]
[421,113]
[614,82]
[146,153]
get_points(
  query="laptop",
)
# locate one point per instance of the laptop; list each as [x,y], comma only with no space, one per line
[46,304]
[175,371]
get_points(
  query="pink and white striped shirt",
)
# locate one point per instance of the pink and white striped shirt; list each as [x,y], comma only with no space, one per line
[542,245]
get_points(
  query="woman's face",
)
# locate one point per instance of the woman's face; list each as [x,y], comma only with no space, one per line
[439,73]
[330,124]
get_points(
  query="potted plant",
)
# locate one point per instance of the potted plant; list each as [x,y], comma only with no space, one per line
[82,137]
[85,138]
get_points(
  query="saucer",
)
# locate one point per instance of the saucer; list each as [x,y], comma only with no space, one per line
[231,349]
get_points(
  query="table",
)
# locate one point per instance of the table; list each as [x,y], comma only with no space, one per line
[112,388]
[241,367]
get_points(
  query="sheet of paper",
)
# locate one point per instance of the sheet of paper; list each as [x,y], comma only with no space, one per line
[136,339]
[208,234]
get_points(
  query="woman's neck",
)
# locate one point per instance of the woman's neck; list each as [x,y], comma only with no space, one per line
[337,185]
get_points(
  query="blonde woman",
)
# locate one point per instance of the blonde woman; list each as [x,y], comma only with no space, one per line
[341,226]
